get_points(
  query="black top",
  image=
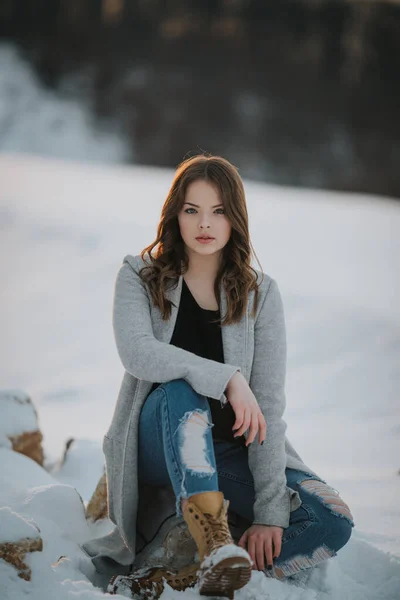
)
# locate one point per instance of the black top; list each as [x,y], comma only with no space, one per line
[194,332]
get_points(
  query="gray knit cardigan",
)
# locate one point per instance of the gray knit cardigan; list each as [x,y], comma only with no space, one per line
[255,346]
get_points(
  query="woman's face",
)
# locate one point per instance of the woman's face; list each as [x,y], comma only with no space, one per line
[203,214]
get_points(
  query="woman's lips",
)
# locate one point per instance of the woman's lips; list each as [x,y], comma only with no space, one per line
[205,240]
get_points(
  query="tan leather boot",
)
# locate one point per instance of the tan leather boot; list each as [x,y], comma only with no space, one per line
[224,566]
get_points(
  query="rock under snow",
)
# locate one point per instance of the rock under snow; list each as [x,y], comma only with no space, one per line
[19,425]
[18,536]
[97,507]
[34,501]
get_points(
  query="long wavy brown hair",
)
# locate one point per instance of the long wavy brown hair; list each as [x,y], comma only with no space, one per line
[169,259]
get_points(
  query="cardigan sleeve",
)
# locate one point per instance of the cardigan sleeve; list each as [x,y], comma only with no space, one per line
[267,382]
[144,357]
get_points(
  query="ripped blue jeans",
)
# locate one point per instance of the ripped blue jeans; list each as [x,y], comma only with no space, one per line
[176,447]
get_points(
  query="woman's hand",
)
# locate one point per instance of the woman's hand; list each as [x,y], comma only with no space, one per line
[264,543]
[247,411]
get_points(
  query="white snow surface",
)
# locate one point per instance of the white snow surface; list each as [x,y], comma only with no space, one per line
[13,527]
[64,229]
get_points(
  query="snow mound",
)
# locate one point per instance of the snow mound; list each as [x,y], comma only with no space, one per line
[82,467]
[33,500]
[13,527]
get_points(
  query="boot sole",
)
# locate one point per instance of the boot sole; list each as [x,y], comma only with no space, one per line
[142,586]
[225,577]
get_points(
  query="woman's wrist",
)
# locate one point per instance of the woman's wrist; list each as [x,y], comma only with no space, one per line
[235,377]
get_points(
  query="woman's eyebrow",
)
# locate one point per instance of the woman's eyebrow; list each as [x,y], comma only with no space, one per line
[197,206]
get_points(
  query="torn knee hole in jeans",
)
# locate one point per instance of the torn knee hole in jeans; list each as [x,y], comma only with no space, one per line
[329,497]
[193,451]
[193,428]
[300,563]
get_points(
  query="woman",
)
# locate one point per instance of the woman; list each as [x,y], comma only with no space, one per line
[201,335]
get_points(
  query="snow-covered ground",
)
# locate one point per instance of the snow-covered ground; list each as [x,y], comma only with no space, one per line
[64,229]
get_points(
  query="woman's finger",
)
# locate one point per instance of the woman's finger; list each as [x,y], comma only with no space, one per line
[245,425]
[260,554]
[251,549]
[239,414]
[268,551]
[277,544]
[243,540]
[253,429]
[262,429]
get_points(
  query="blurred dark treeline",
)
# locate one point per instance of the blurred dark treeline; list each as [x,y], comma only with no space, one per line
[303,92]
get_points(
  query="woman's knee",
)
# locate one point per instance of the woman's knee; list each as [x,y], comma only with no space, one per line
[335,531]
[334,517]
[181,390]
[340,533]
[180,386]
[180,406]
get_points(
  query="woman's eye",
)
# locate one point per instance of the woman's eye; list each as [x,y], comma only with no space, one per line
[222,209]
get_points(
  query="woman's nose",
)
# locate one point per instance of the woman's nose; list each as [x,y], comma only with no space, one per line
[204,222]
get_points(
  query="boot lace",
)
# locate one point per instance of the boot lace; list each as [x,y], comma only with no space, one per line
[217,532]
